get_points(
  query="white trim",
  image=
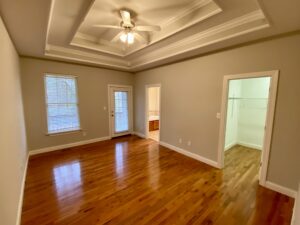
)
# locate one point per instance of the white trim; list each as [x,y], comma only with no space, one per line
[147,86]
[49,24]
[250,145]
[296,211]
[139,134]
[190,154]
[237,26]
[269,119]
[70,145]
[245,144]
[227,147]
[20,205]
[278,188]
[244,24]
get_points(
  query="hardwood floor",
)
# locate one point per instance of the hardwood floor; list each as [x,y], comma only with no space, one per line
[135,181]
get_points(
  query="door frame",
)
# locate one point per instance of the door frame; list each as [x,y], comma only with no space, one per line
[130,108]
[268,124]
[147,86]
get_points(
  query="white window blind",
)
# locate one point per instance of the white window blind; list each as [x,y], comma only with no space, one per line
[62,103]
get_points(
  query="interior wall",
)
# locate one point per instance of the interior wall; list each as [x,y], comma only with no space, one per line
[191,96]
[252,112]
[92,86]
[13,153]
[153,101]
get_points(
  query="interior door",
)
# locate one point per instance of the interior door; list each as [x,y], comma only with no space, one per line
[120,110]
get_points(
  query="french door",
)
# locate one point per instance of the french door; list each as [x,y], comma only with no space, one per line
[120,110]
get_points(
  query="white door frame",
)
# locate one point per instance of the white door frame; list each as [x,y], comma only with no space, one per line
[130,108]
[269,118]
[147,109]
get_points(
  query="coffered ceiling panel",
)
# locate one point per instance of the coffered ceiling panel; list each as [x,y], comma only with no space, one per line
[171,16]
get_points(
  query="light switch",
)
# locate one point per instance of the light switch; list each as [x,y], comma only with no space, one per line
[218,115]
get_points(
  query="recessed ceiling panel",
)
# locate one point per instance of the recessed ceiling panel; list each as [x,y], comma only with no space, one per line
[95,33]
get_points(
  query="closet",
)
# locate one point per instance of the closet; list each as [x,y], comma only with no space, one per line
[246,112]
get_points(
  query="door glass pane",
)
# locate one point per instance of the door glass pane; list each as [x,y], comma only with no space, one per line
[121,111]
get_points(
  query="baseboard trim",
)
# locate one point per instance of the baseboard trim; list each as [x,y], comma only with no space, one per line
[20,205]
[70,145]
[296,210]
[250,145]
[245,144]
[283,190]
[230,146]
[139,134]
[190,154]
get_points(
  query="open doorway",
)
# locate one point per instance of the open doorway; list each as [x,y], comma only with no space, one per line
[153,112]
[247,115]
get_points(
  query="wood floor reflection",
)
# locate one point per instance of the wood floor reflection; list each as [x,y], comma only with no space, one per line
[135,181]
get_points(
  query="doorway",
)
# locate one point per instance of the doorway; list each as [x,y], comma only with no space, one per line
[152,112]
[120,110]
[247,113]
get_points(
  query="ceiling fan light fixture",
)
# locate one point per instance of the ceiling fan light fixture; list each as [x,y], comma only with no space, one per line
[127,38]
[123,37]
[130,38]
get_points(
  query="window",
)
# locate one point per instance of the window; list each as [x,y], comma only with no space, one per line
[62,103]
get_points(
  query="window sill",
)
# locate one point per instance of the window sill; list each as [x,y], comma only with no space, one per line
[64,132]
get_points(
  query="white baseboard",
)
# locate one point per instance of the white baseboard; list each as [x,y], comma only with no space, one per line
[249,145]
[296,211]
[190,154]
[245,144]
[139,134]
[283,190]
[230,146]
[60,147]
[22,192]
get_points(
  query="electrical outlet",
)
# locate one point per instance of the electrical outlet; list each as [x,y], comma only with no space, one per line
[189,143]
[84,133]
[180,140]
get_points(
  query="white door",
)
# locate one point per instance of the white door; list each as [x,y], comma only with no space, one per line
[120,112]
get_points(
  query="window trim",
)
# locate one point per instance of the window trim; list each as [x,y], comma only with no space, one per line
[79,129]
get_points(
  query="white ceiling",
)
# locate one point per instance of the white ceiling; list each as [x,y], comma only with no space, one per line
[63,29]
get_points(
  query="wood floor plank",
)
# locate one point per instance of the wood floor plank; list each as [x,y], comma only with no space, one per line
[129,180]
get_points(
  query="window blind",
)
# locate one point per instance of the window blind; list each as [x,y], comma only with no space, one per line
[62,103]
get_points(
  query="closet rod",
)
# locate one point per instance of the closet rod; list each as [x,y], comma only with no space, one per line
[248,98]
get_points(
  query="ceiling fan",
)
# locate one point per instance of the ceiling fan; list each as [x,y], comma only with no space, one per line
[128,29]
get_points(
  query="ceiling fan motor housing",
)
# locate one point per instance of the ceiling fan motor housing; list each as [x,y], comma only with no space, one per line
[127,25]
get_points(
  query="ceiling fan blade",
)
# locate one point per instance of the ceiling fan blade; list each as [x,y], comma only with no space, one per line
[108,26]
[126,17]
[140,38]
[147,28]
[117,37]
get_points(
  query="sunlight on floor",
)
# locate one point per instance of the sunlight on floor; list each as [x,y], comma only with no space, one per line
[154,135]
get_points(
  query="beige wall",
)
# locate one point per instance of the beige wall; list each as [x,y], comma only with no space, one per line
[92,94]
[191,97]
[13,151]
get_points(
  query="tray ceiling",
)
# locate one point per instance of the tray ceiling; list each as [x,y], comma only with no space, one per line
[64,29]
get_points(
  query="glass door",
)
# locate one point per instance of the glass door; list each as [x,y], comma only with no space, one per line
[120,110]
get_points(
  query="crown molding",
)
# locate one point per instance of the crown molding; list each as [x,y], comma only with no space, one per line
[81,56]
[250,22]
